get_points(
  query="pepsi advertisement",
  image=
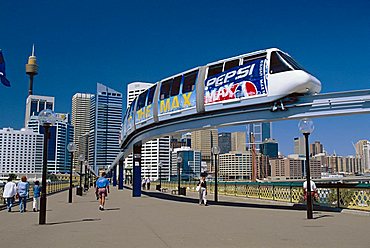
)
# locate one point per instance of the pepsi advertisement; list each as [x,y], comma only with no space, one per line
[240,82]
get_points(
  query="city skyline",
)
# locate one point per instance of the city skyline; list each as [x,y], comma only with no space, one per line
[71,61]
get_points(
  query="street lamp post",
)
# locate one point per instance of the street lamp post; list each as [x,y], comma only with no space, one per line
[179,161]
[71,148]
[81,158]
[306,127]
[85,183]
[46,119]
[160,175]
[216,151]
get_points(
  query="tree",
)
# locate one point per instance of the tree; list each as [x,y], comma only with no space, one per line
[13,176]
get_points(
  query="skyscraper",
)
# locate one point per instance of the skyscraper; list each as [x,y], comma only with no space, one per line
[224,142]
[363,151]
[270,148]
[299,146]
[190,166]
[316,148]
[61,134]
[81,104]
[238,141]
[261,132]
[35,104]
[203,141]
[105,126]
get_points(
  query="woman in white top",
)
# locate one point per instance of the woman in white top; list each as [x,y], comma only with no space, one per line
[10,190]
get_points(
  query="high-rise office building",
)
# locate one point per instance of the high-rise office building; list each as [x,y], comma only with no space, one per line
[35,104]
[316,148]
[363,151]
[21,152]
[224,142]
[81,104]
[105,126]
[61,133]
[270,148]
[238,141]
[190,166]
[299,146]
[261,131]
[235,165]
[203,141]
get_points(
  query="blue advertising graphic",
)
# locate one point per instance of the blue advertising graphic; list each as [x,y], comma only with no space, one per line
[237,83]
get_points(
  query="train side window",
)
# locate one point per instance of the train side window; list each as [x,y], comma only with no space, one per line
[175,88]
[141,100]
[214,69]
[249,59]
[151,94]
[165,89]
[277,64]
[132,105]
[189,82]
[231,64]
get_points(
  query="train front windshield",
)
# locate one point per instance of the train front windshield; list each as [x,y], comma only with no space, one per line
[280,62]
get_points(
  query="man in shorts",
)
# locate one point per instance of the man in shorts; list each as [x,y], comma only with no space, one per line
[102,189]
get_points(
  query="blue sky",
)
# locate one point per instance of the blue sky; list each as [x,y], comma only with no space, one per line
[79,43]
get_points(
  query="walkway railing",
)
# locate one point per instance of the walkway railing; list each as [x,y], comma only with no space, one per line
[349,196]
[52,187]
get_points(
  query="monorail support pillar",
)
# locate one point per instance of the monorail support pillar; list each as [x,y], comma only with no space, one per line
[120,174]
[114,176]
[136,171]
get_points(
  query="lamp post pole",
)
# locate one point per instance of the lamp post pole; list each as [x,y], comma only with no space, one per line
[179,161]
[46,119]
[71,148]
[216,151]
[306,127]
[81,158]
[160,175]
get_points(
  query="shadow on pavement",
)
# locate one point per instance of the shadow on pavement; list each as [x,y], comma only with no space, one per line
[71,221]
[111,209]
[300,207]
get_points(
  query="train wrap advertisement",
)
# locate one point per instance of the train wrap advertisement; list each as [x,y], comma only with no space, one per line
[240,82]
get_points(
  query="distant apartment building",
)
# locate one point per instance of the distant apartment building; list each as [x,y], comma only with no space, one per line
[363,152]
[61,133]
[35,104]
[290,168]
[316,148]
[238,141]
[81,104]
[203,141]
[105,127]
[190,166]
[21,152]
[235,166]
[344,164]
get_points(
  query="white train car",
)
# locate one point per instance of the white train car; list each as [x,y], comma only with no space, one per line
[265,76]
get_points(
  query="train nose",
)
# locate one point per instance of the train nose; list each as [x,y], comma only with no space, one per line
[314,85]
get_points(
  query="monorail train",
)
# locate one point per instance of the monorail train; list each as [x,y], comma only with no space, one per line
[264,76]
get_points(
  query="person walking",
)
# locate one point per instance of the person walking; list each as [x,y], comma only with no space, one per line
[143,183]
[202,191]
[36,196]
[22,191]
[10,190]
[313,190]
[102,187]
[147,181]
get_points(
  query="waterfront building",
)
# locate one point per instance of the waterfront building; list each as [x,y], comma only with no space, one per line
[105,126]
[235,165]
[363,151]
[190,166]
[21,152]
[293,168]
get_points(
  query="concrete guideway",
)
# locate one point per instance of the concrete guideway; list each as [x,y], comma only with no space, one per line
[163,220]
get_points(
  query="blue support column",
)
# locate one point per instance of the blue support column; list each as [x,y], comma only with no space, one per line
[136,171]
[114,176]
[120,174]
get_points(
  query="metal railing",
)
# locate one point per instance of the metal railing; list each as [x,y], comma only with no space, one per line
[52,187]
[348,196]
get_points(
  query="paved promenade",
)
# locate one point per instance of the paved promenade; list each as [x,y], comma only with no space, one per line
[162,220]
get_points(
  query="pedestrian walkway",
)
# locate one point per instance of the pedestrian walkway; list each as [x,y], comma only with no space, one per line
[163,220]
